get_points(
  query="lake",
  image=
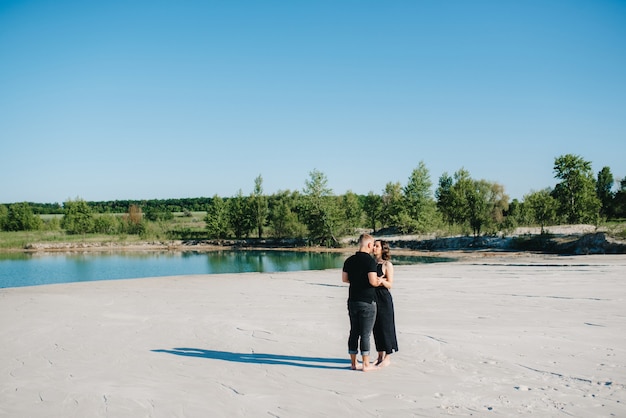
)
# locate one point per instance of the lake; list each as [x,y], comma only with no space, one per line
[26,269]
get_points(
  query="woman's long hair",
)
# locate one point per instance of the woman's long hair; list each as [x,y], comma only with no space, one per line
[385,252]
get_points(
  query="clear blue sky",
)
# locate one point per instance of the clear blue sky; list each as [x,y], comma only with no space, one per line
[160,99]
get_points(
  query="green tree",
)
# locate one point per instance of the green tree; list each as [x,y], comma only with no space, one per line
[443,194]
[373,207]
[418,201]
[487,204]
[20,217]
[576,192]
[478,210]
[461,190]
[604,191]
[321,212]
[475,204]
[542,207]
[78,218]
[513,216]
[498,202]
[393,210]
[4,213]
[282,216]
[216,218]
[259,205]
[525,214]
[240,215]
[352,209]
[619,202]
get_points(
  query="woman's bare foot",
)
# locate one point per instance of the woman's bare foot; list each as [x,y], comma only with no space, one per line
[385,362]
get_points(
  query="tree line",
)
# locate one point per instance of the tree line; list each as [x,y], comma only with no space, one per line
[459,204]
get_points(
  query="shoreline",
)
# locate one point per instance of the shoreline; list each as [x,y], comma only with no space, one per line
[582,243]
[180,247]
[559,239]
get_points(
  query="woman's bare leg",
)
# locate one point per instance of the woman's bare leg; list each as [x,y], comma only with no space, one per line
[381,356]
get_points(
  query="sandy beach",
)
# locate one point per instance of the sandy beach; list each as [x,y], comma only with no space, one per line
[495,335]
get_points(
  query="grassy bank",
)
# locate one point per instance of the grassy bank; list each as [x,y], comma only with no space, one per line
[192,226]
[21,240]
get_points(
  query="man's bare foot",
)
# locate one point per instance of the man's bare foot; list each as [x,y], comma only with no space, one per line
[369,367]
[356,366]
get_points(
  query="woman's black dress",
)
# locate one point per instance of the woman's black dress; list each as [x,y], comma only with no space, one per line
[385,325]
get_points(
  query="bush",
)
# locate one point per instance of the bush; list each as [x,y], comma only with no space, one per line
[105,224]
[541,242]
[20,217]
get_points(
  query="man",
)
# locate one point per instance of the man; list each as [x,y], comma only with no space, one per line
[360,271]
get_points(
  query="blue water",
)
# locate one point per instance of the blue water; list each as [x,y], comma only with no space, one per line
[38,269]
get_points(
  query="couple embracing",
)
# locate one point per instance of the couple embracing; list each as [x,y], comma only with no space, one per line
[370,305]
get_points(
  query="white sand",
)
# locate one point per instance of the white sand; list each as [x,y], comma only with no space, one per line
[492,336]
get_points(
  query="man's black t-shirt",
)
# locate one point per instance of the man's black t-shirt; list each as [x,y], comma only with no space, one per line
[358,266]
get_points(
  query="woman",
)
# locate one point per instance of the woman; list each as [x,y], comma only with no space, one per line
[385,326]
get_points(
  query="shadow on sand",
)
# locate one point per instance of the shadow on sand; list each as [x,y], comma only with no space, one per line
[259,358]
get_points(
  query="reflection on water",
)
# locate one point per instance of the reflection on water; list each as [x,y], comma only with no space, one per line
[271,261]
[36,269]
